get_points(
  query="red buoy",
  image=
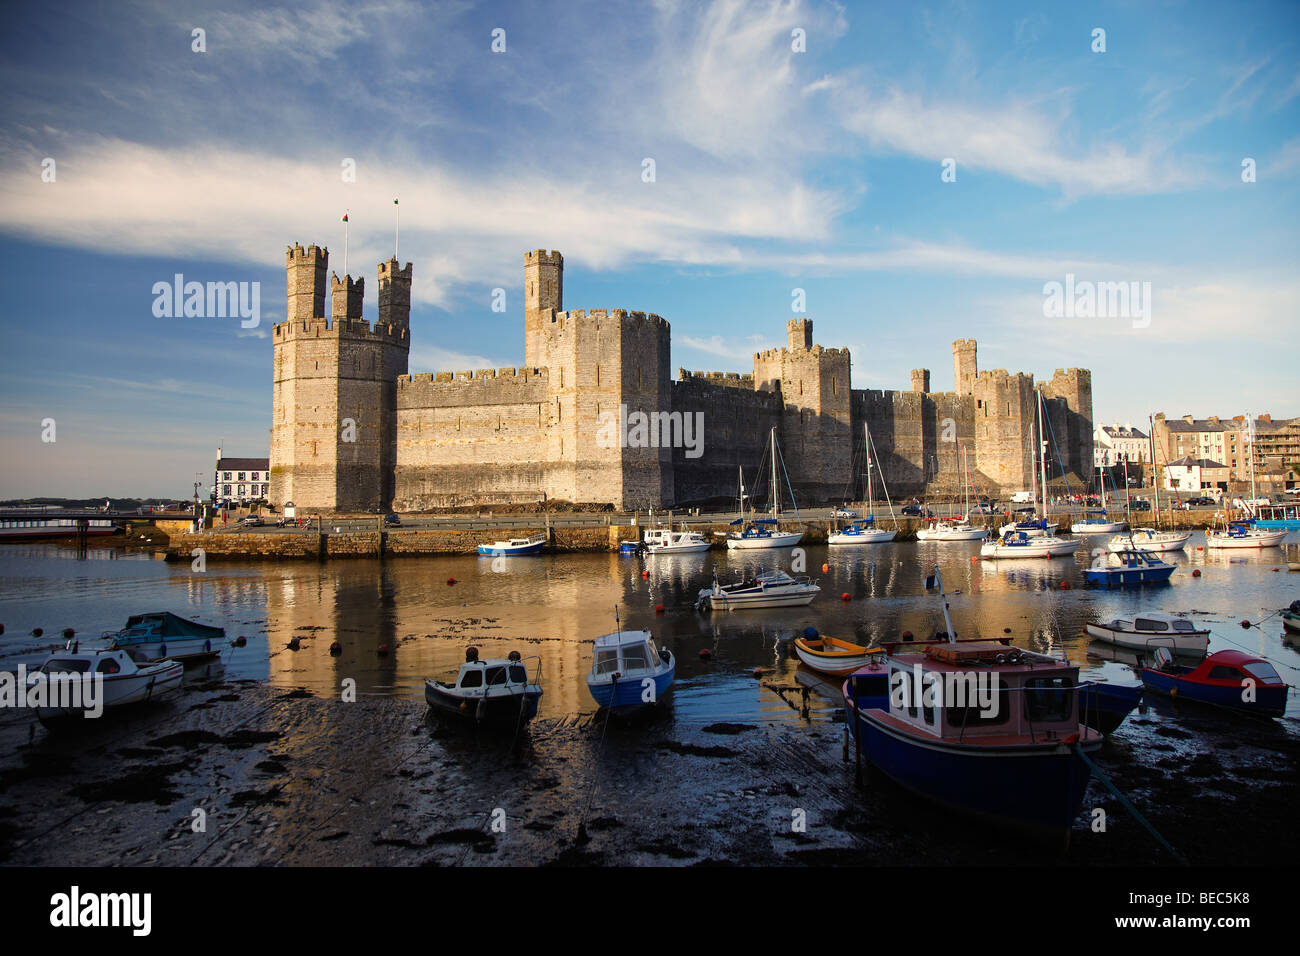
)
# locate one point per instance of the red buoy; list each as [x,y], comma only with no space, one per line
[240,641]
[383,650]
[844,596]
[336,648]
[451,581]
[659,608]
[758,672]
[37,632]
[1196,573]
[645,573]
[907,635]
[1245,623]
[705,654]
[1006,630]
[69,632]
[826,568]
[1065,585]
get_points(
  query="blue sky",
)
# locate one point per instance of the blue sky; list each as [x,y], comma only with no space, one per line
[775,170]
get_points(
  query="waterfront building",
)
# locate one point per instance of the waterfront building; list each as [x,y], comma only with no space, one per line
[1112,445]
[242,480]
[1196,475]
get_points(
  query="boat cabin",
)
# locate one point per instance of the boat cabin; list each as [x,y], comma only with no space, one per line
[1154,623]
[476,674]
[984,691]
[625,653]
[103,662]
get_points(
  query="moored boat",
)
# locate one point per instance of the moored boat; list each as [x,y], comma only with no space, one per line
[1231,679]
[957,529]
[1291,617]
[830,655]
[763,532]
[766,589]
[628,673]
[515,547]
[1104,705]
[861,531]
[1096,523]
[1152,629]
[679,542]
[987,729]
[495,691]
[1244,534]
[1125,568]
[103,678]
[160,634]
[1149,539]
[1018,544]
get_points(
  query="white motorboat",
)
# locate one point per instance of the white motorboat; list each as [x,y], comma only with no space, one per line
[161,635]
[957,529]
[1244,534]
[767,589]
[864,530]
[74,682]
[1151,630]
[496,691]
[678,542]
[763,532]
[1149,539]
[1017,544]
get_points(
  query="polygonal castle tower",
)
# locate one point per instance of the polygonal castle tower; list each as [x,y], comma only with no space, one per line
[334,400]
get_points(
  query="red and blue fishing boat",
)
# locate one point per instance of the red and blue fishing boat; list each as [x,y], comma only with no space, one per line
[982,727]
[1232,679]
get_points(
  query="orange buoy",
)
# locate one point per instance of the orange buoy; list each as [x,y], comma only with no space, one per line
[758,672]
[1199,548]
[336,648]
[1065,585]
[844,596]
[659,608]
[826,568]
[645,573]
[1196,572]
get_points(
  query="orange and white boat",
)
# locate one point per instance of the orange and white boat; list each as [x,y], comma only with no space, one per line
[830,655]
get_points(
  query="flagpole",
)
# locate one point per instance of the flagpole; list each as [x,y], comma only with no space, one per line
[345,244]
[398,231]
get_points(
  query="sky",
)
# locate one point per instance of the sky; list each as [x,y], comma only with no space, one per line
[922,171]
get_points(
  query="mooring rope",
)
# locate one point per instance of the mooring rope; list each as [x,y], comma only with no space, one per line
[1124,802]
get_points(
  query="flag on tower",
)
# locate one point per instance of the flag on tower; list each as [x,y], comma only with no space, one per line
[345,217]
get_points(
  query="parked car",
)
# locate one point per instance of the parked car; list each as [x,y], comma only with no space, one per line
[1200,500]
[917,511]
[392,520]
[252,521]
[1140,504]
[845,513]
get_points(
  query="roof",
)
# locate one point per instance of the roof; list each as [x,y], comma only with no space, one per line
[1112,431]
[619,638]
[1203,425]
[243,464]
[1187,461]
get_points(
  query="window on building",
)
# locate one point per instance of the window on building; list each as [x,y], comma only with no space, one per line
[226,476]
[241,476]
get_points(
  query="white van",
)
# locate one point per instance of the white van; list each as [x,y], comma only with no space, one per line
[1022,497]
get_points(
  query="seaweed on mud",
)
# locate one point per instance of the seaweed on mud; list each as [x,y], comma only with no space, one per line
[300,693]
[149,784]
[36,764]
[257,798]
[186,738]
[692,750]
[726,728]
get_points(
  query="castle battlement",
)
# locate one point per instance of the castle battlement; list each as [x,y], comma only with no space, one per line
[726,379]
[623,316]
[797,355]
[388,270]
[314,254]
[353,330]
[544,258]
[505,376]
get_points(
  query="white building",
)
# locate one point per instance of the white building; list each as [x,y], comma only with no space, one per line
[242,480]
[1112,445]
[1196,474]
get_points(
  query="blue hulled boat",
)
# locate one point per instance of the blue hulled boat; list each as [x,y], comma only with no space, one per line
[1121,568]
[1231,679]
[1103,705]
[987,729]
[515,547]
[628,673]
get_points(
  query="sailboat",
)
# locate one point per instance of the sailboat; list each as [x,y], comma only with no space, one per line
[1244,533]
[1036,527]
[763,532]
[953,529]
[863,530]
[1150,539]
[1017,542]
[1094,522]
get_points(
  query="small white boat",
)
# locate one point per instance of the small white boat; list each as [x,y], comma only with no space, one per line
[628,673]
[767,589]
[830,655]
[515,547]
[1149,539]
[1244,534]
[495,691]
[83,683]
[1151,630]
[678,542]
[862,531]
[1018,544]
[951,530]
[1096,526]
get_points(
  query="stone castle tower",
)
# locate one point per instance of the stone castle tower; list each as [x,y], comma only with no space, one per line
[816,419]
[334,400]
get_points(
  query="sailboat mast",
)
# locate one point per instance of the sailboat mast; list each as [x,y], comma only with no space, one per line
[1155,473]
[866,454]
[776,492]
[1042,452]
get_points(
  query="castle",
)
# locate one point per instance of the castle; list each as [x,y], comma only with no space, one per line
[353,431]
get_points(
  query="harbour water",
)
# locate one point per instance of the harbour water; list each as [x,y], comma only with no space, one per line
[714,777]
